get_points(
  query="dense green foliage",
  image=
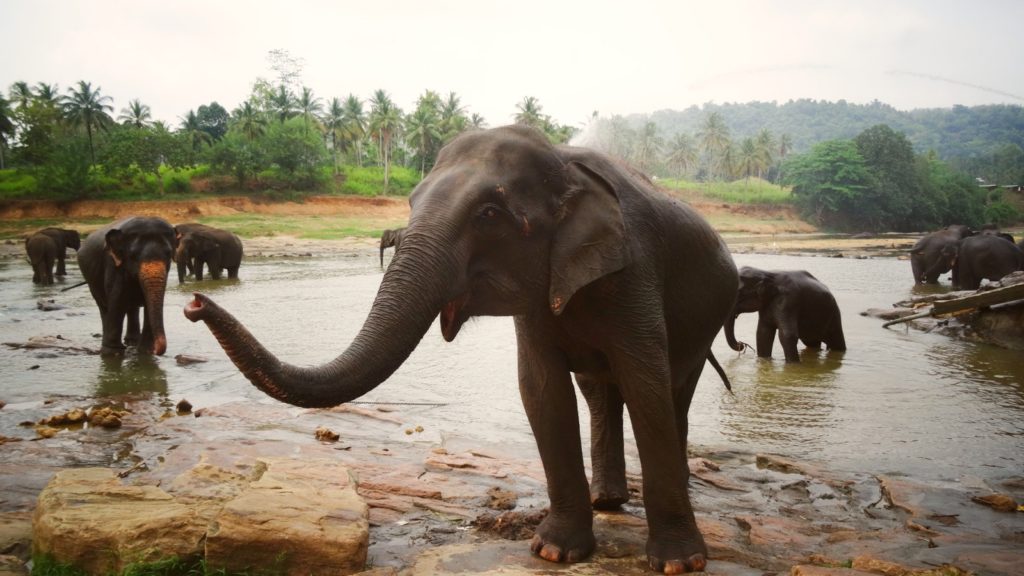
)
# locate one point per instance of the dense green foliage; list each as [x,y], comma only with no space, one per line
[875,182]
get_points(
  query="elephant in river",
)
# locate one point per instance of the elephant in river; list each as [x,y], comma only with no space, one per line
[932,256]
[604,276]
[389,238]
[985,257]
[42,252]
[199,245]
[64,238]
[794,303]
[126,265]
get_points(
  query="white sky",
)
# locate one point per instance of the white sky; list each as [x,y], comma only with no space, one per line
[575,57]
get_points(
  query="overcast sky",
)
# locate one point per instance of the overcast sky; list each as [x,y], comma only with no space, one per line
[575,57]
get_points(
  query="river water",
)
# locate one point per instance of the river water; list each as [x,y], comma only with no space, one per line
[897,402]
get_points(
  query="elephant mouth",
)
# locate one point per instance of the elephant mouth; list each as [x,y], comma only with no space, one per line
[453,316]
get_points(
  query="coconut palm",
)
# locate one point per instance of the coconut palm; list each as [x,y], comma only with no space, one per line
[747,161]
[714,142]
[477,121]
[21,94]
[333,123]
[453,117]
[249,120]
[308,106]
[529,113]
[193,130]
[6,128]
[385,123]
[47,94]
[87,107]
[283,104]
[765,147]
[136,114]
[683,155]
[423,131]
[648,146]
[354,125]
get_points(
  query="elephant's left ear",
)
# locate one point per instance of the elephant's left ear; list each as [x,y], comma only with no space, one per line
[590,241]
[114,244]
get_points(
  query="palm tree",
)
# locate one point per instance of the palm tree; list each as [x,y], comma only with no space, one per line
[193,130]
[683,154]
[529,113]
[785,147]
[47,94]
[453,117]
[283,104]
[423,130]
[136,114]
[334,123]
[309,107]
[747,161]
[477,121]
[649,145]
[6,127]
[87,107]
[21,94]
[764,144]
[354,124]
[249,120]
[714,141]
[385,122]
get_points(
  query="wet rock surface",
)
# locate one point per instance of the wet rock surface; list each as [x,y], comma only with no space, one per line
[433,509]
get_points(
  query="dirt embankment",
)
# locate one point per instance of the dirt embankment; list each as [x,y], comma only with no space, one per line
[177,210]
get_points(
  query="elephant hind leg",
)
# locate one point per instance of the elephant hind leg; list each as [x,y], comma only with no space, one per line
[233,273]
[608,490]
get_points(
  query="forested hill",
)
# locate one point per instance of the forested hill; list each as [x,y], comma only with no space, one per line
[960,132]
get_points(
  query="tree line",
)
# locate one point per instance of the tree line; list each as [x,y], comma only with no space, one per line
[279,136]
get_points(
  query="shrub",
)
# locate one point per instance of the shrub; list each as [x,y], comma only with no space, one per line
[1001,213]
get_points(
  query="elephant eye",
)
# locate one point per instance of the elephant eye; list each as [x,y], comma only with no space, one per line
[489,213]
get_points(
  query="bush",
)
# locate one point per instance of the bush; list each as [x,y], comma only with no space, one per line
[369,181]
[15,184]
[1001,213]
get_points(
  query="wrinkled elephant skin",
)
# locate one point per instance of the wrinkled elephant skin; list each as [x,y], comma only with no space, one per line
[605,277]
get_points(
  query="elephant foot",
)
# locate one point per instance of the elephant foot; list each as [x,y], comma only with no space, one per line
[108,350]
[559,540]
[604,498]
[674,557]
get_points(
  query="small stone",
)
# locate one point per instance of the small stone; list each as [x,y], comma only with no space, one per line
[419,428]
[46,432]
[325,434]
[184,406]
[408,431]
[997,502]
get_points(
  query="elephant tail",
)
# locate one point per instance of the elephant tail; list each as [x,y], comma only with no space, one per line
[718,368]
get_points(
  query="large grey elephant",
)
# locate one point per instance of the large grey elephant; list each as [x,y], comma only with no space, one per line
[126,265]
[985,257]
[200,245]
[934,254]
[42,252]
[792,302]
[605,277]
[64,238]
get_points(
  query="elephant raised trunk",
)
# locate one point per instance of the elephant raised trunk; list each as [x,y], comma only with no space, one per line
[153,278]
[414,289]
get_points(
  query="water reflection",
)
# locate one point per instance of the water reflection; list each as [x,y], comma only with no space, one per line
[130,373]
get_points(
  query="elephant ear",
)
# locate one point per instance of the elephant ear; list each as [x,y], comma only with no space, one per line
[590,241]
[114,244]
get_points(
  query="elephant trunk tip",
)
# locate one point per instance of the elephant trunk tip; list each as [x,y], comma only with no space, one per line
[196,309]
[160,345]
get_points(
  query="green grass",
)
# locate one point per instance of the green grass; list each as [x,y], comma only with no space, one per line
[752,191]
[15,184]
[46,565]
[369,181]
[309,227]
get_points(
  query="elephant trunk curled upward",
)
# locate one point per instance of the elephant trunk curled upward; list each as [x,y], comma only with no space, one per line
[606,279]
[795,304]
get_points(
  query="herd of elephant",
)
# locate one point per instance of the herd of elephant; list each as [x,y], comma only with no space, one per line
[608,280]
[126,264]
[971,256]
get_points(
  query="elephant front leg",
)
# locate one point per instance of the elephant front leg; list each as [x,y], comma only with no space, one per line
[566,534]
[113,324]
[608,490]
[131,337]
[765,336]
[674,543]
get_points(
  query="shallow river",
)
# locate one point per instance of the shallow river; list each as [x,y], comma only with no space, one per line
[899,401]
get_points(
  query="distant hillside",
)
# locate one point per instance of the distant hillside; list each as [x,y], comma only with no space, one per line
[954,133]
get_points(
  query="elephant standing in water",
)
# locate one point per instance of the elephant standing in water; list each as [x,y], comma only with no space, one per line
[793,302]
[125,265]
[605,277]
[64,239]
[985,257]
[934,255]
[199,245]
[42,252]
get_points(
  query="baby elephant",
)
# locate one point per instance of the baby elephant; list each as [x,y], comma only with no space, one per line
[792,302]
[42,252]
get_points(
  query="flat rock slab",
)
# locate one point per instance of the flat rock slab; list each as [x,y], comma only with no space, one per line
[294,517]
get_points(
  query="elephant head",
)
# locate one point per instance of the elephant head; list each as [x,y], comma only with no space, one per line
[757,289]
[505,224]
[144,257]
